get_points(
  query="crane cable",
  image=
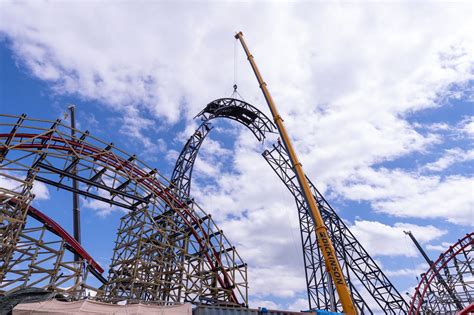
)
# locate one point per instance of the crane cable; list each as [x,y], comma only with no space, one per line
[235,65]
[235,86]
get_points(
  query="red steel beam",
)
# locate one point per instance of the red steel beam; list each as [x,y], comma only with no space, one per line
[59,231]
[468,310]
[428,277]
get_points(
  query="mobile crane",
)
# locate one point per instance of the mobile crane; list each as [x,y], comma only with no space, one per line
[324,242]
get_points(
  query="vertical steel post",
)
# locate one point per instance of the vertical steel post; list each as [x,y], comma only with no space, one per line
[76,211]
[438,276]
[324,240]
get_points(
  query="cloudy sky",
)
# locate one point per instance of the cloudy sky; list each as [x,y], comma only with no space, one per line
[377,96]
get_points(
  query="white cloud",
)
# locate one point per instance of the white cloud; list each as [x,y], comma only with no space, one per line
[375,237]
[451,199]
[299,305]
[258,215]
[441,248]
[450,157]
[462,130]
[101,208]
[413,272]
[467,126]
[405,194]
[163,70]
[171,156]
[285,285]
[40,190]
[213,158]
[345,78]
[264,303]
[13,181]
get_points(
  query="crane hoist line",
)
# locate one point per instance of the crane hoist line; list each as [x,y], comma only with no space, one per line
[324,241]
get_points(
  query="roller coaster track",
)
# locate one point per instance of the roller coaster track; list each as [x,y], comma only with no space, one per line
[41,258]
[357,264]
[39,150]
[455,268]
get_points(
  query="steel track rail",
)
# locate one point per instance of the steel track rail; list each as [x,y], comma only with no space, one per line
[142,180]
[355,259]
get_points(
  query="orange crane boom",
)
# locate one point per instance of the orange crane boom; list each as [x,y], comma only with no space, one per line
[324,242]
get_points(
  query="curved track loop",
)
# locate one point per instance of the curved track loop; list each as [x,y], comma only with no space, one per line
[455,266]
[43,150]
[183,169]
[240,111]
[234,109]
[353,257]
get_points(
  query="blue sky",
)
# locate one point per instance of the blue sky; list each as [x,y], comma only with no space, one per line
[377,97]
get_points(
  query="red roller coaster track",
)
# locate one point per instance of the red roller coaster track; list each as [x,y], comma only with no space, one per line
[47,141]
[436,268]
[54,227]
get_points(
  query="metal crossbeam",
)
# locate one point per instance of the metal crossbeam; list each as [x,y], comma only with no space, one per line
[43,257]
[357,265]
[349,251]
[182,172]
[453,270]
[46,148]
[242,112]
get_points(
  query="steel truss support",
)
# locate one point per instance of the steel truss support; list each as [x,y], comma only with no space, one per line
[46,150]
[358,267]
[354,258]
[455,268]
[182,172]
[240,111]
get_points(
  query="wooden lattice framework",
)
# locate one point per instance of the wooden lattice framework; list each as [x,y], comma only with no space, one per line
[198,263]
[43,255]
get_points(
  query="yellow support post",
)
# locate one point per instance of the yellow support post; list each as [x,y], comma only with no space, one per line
[324,242]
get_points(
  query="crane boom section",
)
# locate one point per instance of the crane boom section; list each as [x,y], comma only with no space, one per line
[324,242]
